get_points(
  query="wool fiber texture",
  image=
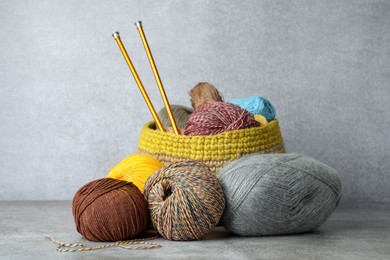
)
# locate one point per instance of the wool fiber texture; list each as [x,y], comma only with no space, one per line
[204,93]
[278,194]
[256,105]
[185,200]
[217,117]
[109,210]
[136,169]
[181,114]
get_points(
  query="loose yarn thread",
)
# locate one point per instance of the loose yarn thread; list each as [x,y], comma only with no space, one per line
[204,93]
[109,210]
[217,117]
[136,244]
[256,105]
[185,200]
[135,168]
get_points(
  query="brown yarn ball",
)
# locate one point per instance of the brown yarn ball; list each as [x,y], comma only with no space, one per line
[109,210]
[185,200]
[204,93]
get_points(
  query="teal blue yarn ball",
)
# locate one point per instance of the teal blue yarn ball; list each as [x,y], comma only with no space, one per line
[277,194]
[256,105]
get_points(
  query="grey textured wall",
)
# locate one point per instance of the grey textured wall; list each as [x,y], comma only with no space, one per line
[70,110]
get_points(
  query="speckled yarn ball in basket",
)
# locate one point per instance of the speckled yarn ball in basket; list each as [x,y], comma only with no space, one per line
[109,210]
[185,200]
[218,117]
[277,194]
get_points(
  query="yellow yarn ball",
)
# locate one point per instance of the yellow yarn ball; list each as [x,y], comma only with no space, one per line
[135,168]
[261,119]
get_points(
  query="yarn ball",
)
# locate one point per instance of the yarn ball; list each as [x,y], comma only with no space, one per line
[261,119]
[185,200]
[257,105]
[277,194]
[135,168]
[109,210]
[203,93]
[181,114]
[217,117]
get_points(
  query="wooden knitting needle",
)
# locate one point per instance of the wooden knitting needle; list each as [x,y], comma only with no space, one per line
[138,81]
[157,77]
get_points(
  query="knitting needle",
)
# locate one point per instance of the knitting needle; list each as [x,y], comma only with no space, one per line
[138,81]
[157,77]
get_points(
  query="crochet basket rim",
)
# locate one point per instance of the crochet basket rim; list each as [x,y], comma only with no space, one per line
[151,127]
[223,146]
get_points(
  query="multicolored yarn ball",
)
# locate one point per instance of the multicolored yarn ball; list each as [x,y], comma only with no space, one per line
[278,194]
[256,105]
[217,117]
[136,169]
[181,114]
[204,93]
[185,200]
[109,210]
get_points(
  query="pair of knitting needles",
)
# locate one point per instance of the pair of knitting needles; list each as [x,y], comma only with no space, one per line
[156,76]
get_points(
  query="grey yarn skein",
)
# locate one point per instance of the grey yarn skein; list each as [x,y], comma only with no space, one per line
[277,194]
[181,114]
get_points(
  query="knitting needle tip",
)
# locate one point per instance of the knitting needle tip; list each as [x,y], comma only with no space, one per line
[115,34]
[138,24]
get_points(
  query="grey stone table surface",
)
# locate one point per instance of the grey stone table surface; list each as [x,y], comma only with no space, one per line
[354,231]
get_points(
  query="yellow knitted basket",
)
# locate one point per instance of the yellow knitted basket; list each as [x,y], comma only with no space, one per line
[214,150]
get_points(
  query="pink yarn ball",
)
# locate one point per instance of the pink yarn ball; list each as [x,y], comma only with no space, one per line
[217,117]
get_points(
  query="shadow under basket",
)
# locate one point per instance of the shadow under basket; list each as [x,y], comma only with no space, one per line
[215,150]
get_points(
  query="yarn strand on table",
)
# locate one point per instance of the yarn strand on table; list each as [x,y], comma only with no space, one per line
[138,244]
